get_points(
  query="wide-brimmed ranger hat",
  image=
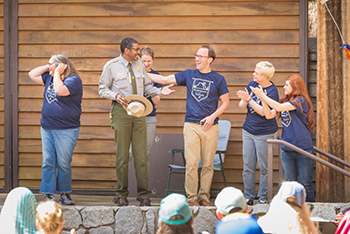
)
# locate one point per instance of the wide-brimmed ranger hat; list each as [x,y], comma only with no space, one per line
[138,106]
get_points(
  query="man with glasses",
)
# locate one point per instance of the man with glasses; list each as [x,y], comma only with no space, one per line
[205,88]
[123,76]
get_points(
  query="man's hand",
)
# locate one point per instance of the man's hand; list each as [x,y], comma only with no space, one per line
[167,90]
[122,101]
[207,122]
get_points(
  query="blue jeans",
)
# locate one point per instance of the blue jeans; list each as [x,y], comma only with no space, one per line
[254,149]
[57,147]
[299,168]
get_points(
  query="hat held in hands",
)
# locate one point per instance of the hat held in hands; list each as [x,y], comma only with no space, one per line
[138,106]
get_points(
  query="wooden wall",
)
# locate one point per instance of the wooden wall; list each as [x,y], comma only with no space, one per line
[2,128]
[88,31]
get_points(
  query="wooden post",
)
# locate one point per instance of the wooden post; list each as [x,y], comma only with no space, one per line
[330,116]
[346,105]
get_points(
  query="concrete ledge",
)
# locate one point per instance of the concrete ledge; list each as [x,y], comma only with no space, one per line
[135,220]
[144,220]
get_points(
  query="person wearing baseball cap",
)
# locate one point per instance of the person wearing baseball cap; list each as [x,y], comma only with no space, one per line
[175,215]
[231,202]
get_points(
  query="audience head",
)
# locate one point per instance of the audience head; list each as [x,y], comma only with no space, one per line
[292,192]
[344,224]
[239,226]
[18,213]
[175,216]
[288,211]
[49,217]
[230,200]
[263,69]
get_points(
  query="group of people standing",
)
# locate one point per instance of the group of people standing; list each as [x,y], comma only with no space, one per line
[131,75]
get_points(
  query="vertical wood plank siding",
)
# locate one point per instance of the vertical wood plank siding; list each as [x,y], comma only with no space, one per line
[89,32]
[2,102]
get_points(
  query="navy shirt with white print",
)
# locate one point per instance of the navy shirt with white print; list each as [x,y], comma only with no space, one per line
[203,93]
[61,112]
[254,123]
[294,126]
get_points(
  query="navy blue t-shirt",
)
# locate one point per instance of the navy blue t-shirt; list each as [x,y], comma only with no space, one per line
[154,111]
[61,112]
[254,123]
[203,93]
[294,126]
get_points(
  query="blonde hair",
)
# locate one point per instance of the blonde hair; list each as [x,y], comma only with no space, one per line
[265,68]
[49,217]
[303,211]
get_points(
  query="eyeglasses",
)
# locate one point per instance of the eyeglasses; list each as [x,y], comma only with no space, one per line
[200,56]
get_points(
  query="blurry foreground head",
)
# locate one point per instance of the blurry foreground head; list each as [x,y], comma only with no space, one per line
[230,200]
[18,213]
[49,217]
[344,224]
[175,216]
[239,226]
[288,212]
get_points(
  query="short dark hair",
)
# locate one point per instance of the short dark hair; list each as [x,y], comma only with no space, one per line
[127,43]
[211,51]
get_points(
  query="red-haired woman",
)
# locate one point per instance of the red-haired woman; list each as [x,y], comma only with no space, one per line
[297,123]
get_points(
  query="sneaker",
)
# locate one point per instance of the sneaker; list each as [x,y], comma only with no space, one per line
[49,196]
[250,202]
[262,201]
[144,201]
[66,199]
[193,201]
[204,202]
[120,201]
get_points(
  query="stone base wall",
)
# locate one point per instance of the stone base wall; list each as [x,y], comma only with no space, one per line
[143,220]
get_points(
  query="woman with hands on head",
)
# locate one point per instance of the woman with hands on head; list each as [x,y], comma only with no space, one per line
[297,118]
[60,124]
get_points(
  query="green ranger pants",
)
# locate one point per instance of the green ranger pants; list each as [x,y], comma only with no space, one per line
[129,129]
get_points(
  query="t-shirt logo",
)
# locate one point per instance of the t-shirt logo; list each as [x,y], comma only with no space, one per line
[286,118]
[50,94]
[200,89]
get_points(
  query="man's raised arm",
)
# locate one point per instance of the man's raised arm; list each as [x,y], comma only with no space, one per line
[164,80]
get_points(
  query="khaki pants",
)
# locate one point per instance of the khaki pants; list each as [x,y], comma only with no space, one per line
[128,130]
[199,145]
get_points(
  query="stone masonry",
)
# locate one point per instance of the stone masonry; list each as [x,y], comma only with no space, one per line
[143,220]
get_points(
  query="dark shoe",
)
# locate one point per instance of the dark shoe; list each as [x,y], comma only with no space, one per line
[262,201]
[120,201]
[49,196]
[193,201]
[250,202]
[145,201]
[66,199]
[204,202]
